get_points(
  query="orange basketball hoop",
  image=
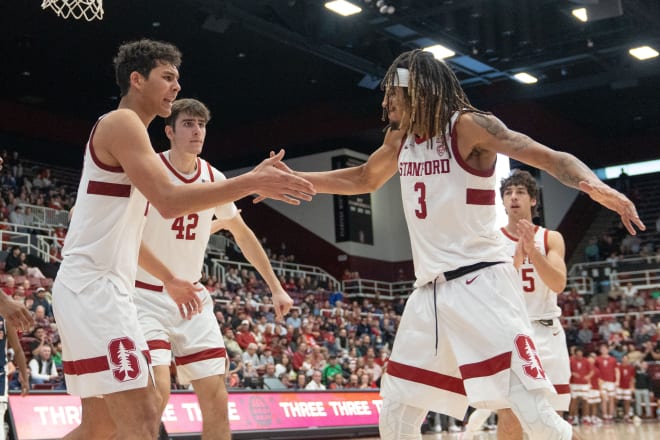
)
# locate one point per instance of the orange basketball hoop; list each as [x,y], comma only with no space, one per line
[87,9]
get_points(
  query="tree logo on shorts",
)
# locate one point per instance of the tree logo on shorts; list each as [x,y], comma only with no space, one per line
[527,352]
[124,362]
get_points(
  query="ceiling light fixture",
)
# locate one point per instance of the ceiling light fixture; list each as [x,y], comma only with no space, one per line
[440,52]
[580,14]
[525,78]
[643,52]
[342,7]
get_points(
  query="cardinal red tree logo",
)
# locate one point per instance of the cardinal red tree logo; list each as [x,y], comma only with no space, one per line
[124,361]
[440,147]
[527,352]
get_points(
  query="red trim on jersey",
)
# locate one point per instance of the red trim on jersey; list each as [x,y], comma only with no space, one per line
[419,140]
[108,189]
[178,175]
[211,353]
[91,365]
[459,159]
[211,176]
[486,368]
[475,196]
[403,141]
[545,241]
[159,344]
[563,389]
[426,377]
[97,161]
[507,235]
[141,285]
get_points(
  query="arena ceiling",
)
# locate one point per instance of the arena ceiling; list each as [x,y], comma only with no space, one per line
[292,73]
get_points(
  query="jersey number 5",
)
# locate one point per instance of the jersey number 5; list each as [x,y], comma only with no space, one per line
[185,231]
[528,279]
[421,189]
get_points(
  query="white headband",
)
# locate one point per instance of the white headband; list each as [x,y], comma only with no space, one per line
[403,76]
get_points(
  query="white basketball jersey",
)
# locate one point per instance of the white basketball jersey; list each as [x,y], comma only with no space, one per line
[106,227]
[180,243]
[449,207]
[541,301]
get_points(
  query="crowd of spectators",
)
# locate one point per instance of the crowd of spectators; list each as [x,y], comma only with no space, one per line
[328,341]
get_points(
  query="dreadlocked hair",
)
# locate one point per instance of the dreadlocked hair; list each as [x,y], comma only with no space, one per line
[432,96]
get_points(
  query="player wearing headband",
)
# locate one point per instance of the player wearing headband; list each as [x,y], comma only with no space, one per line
[465,337]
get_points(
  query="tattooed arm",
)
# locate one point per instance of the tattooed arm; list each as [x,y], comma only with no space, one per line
[482,136]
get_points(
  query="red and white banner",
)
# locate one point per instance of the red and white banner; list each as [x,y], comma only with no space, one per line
[51,416]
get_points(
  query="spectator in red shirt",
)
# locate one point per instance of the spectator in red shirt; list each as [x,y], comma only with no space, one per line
[244,336]
[299,356]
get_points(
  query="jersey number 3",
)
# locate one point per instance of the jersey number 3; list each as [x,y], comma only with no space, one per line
[185,230]
[421,189]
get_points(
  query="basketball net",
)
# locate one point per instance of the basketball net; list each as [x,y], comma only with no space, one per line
[87,9]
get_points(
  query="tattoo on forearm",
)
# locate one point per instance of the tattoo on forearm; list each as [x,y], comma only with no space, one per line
[567,172]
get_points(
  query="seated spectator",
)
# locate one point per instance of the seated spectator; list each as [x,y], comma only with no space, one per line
[231,345]
[245,337]
[43,369]
[10,286]
[337,383]
[331,369]
[315,384]
[353,382]
[592,251]
[301,382]
[250,355]
[13,262]
[41,299]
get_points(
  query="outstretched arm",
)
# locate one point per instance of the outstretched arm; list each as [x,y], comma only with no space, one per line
[19,358]
[550,267]
[486,133]
[255,254]
[121,140]
[184,293]
[368,177]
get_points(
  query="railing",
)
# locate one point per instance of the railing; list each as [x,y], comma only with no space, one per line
[280,268]
[611,315]
[44,244]
[583,284]
[38,245]
[381,289]
[48,216]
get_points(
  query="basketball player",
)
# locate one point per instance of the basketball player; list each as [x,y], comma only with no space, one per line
[464,336]
[197,345]
[104,350]
[9,339]
[607,365]
[538,255]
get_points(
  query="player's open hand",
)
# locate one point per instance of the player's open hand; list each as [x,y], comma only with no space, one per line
[185,295]
[277,182]
[282,303]
[617,202]
[16,314]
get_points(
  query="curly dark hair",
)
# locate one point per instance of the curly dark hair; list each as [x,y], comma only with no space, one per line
[142,56]
[188,106]
[523,178]
[433,93]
